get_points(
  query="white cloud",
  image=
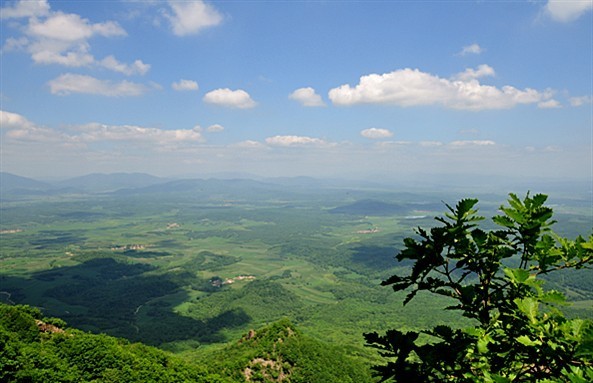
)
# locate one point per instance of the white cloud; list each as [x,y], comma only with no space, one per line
[411,87]
[20,129]
[9,120]
[472,143]
[71,27]
[376,133]
[389,145]
[307,97]
[74,83]
[579,101]
[25,8]
[99,132]
[294,141]
[16,43]
[249,144]
[137,67]
[63,38]
[565,11]
[471,49]
[182,85]
[430,144]
[230,98]
[77,57]
[549,104]
[470,74]
[215,128]
[191,17]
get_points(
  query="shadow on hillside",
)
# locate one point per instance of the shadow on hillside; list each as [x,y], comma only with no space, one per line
[118,298]
[376,257]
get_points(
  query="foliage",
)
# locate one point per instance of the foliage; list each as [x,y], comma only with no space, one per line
[275,353]
[279,352]
[29,355]
[316,268]
[520,333]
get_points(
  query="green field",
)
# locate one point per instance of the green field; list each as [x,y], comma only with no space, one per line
[189,271]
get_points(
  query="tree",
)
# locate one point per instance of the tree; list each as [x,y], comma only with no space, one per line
[493,277]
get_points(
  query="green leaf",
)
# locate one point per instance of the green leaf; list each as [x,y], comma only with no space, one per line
[515,215]
[540,199]
[483,342]
[502,220]
[526,341]
[474,331]
[554,297]
[517,276]
[529,307]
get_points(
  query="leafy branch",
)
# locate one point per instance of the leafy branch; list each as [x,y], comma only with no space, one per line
[515,340]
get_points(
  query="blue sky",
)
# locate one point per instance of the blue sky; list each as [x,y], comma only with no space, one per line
[382,89]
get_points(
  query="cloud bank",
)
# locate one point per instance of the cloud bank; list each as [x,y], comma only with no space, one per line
[294,141]
[70,83]
[21,129]
[412,87]
[55,37]
[230,98]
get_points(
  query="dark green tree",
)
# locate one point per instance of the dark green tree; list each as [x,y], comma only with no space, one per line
[492,277]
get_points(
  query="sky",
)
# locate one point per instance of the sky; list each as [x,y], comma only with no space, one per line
[343,89]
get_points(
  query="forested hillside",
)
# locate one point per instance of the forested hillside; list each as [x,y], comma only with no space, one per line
[38,349]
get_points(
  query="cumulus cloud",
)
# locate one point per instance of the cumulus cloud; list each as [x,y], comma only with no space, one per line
[76,56]
[294,141]
[191,17]
[54,37]
[71,27]
[75,83]
[20,129]
[249,144]
[137,67]
[565,11]
[579,101]
[230,98]
[182,85]
[9,120]
[20,9]
[470,74]
[307,97]
[430,144]
[412,87]
[549,104]
[215,128]
[470,143]
[375,133]
[15,44]
[99,132]
[471,49]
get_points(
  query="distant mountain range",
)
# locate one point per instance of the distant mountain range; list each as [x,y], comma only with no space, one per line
[12,182]
[14,185]
[98,182]
[131,184]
